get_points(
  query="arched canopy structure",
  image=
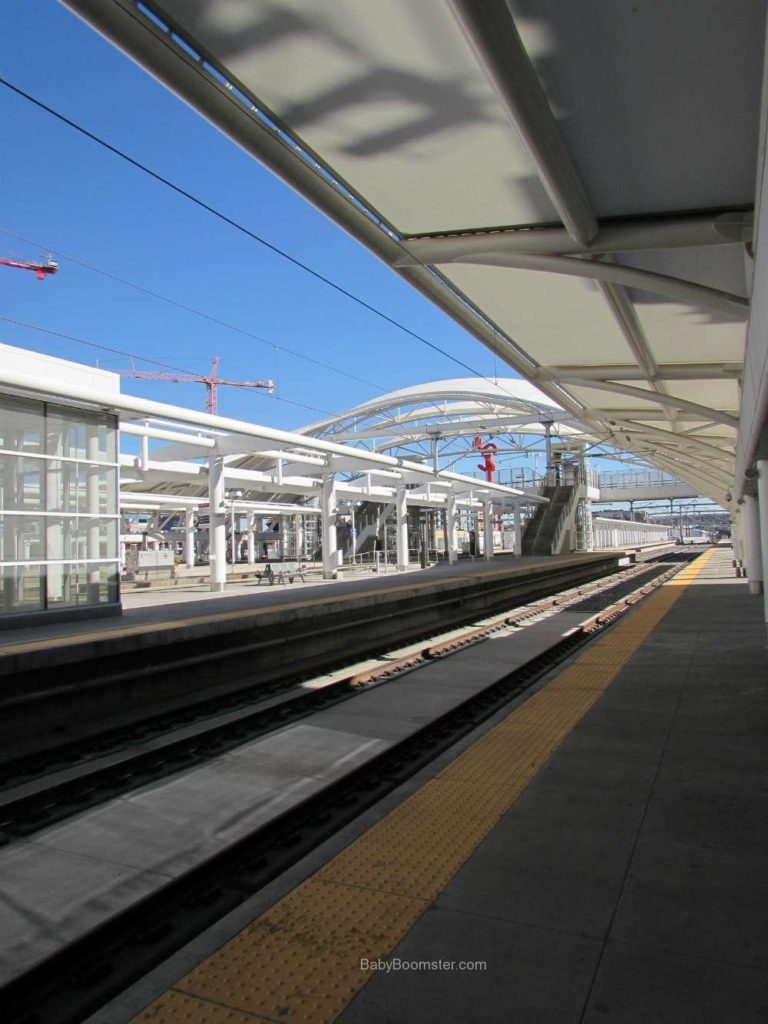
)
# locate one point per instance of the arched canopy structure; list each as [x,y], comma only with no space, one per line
[438,420]
[575,183]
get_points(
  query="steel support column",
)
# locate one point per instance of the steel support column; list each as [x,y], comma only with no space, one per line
[487,529]
[750,521]
[401,512]
[762,497]
[189,538]
[217,524]
[328,527]
[251,538]
[451,528]
[518,549]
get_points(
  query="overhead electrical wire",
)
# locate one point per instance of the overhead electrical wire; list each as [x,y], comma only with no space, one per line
[189,309]
[131,355]
[237,225]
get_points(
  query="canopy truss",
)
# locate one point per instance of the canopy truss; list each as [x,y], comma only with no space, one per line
[572,182]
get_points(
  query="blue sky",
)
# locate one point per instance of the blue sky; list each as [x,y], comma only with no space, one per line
[72,197]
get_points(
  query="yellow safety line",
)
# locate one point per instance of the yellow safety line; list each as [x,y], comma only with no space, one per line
[300,961]
[246,613]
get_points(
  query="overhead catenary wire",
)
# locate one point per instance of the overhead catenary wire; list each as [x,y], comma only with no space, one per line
[238,226]
[132,355]
[190,309]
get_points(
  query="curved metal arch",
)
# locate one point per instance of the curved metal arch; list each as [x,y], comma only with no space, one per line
[455,408]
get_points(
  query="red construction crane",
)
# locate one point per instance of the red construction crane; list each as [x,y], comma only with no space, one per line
[41,269]
[211,382]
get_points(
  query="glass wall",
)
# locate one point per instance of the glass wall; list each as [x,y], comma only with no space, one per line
[59,521]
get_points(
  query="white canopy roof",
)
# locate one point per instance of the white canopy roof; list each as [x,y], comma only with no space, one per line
[573,182]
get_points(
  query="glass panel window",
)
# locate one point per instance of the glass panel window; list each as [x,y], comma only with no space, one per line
[108,491]
[21,588]
[21,424]
[108,533]
[108,584]
[21,539]
[21,483]
[61,585]
[65,433]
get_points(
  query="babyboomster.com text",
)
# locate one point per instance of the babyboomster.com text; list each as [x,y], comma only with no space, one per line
[396,964]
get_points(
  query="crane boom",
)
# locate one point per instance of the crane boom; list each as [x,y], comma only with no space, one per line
[211,381]
[41,269]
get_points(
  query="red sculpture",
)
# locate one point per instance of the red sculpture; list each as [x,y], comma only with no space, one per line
[486,450]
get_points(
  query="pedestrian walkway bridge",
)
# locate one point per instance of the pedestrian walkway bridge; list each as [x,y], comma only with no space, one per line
[642,486]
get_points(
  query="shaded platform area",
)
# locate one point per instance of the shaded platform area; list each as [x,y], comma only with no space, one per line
[596,854]
[629,882]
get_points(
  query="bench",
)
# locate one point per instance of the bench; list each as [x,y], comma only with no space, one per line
[286,572]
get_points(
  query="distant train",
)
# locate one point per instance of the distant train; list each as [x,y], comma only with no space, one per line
[693,535]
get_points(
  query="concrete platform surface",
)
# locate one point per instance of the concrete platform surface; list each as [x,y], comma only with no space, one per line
[160,608]
[628,884]
[67,878]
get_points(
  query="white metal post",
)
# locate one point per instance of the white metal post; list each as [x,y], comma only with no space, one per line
[589,532]
[518,529]
[298,535]
[232,534]
[189,538]
[762,498]
[217,523]
[328,525]
[251,538]
[487,529]
[401,508]
[753,547]
[144,458]
[451,527]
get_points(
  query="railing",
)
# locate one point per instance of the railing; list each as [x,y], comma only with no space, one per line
[613,533]
[545,511]
[565,514]
[647,478]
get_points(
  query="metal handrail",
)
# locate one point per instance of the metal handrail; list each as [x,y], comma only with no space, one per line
[564,514]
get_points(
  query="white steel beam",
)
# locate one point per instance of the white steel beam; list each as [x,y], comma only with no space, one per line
[628,371]
[632,235]
[492,34]
[716,415]
[658,284]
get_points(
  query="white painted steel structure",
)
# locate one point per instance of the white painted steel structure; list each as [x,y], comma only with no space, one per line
[619,533]
[436,421]
[200,456]
[573,182]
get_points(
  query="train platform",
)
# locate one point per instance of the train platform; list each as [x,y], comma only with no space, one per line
[595,853]
[169,607]
[161,617]
[66,681]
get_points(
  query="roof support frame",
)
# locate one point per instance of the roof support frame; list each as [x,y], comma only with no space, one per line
[626,371]
[625,315]
[671,441]
[716,415]
[635,234]
[674,288]
[491,32]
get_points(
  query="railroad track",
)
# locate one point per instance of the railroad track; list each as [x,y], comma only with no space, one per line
[38,791]
[74,981]
[126,678]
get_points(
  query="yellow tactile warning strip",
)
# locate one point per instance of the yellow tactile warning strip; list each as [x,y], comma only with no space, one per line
[23,646]
[300,961]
